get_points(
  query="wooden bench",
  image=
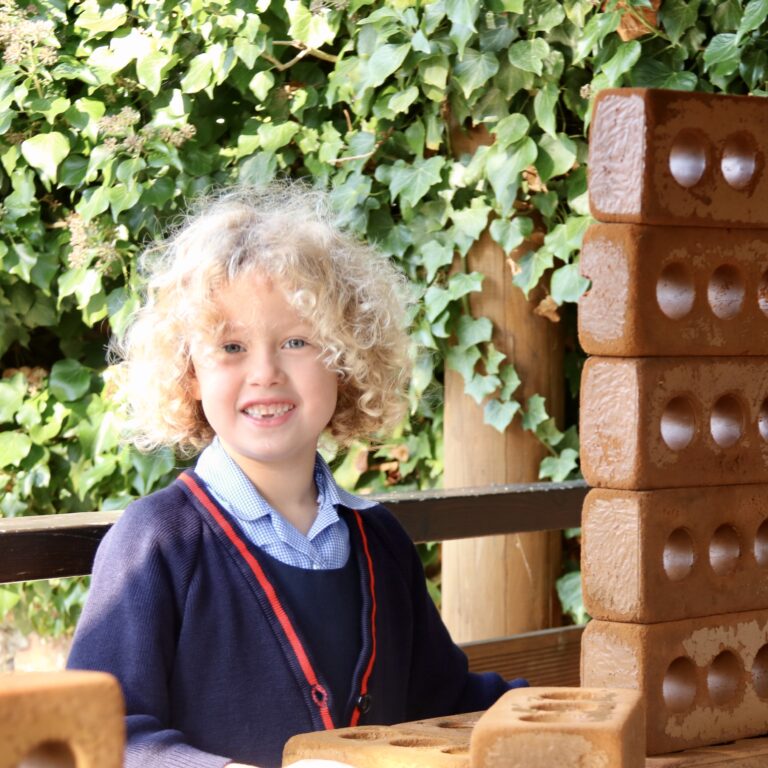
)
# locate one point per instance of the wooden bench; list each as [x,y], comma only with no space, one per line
[53,546]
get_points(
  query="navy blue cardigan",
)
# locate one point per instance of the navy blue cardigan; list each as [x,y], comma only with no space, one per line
[213,665]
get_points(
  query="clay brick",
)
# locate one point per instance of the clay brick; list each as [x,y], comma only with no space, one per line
[670,157]
[61,718]
[441,742]
[703,681]
[745,753]
[650,556]
[563,727]
[670,422]
[666,291]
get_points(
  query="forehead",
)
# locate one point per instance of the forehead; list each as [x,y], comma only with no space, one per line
[256,302]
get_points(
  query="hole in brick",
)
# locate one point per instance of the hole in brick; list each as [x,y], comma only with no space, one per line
[50,754]
[739,161]
[678,557]
[565,704]
[679,685]
[762,293]
[678,423]
[727,421]
[725,292]
[688,158]
[416,741]
[566,716]
[724,550]
[760,673]
[574,694]
[468,723]
[675,292]
[366,735]
[761,545]
[762,420]
[455,751]
[723,678]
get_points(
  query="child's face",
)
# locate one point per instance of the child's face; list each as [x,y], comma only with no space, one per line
[262,386]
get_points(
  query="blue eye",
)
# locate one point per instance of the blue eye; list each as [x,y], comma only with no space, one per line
[295,344]
[232,347]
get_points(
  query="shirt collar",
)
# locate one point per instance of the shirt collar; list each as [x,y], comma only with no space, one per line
[230,484]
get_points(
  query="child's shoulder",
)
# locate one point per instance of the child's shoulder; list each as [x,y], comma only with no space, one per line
[162,513]
[385,525]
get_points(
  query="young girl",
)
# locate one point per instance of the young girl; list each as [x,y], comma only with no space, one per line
[253,598]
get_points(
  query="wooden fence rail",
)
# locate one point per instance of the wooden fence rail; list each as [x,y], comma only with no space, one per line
[52,546]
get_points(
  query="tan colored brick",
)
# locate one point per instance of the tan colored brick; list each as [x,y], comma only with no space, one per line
[745,753]
[671,422]
[666,291]
[703,681]
[686,159]
[563,727]
[61,718]
[650,556]
[441,742]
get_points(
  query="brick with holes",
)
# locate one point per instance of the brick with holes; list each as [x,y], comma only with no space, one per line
[441,742]
[666,291]
[704,681]
[678,158]
[650,556]
[744,753]
[61,719]
[563,727]
[671,422]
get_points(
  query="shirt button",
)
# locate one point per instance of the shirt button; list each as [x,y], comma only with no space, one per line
[364,703]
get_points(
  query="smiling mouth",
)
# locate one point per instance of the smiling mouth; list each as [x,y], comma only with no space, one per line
[267,412]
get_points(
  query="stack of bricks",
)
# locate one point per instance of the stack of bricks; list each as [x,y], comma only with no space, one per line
[674,413]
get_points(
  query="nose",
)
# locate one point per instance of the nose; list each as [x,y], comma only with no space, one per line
[264,368]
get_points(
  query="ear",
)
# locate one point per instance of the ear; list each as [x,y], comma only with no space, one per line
[194,383]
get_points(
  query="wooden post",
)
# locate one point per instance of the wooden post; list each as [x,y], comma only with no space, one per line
[501,585]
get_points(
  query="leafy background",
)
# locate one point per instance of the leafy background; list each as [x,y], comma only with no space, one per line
[113,115]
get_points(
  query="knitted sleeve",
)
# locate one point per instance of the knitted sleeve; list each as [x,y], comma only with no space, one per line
[131,620]
[440,683]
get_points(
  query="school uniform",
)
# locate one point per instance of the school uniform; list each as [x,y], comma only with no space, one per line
[227,640]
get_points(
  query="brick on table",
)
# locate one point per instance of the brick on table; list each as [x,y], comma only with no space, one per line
[666,291]
[704,681]
[562,727]
[651,556]
[745,753]
[650,423]
[686,159]
[61,718]
[441,742]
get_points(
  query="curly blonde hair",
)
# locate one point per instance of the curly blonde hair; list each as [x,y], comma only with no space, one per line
[351,294]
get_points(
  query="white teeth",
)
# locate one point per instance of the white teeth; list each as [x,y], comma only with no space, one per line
[262,411]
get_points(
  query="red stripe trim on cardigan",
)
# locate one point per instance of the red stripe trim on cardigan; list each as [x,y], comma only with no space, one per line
[318,693]
[369,668]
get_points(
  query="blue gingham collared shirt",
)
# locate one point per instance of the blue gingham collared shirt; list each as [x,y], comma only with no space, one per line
[326,544]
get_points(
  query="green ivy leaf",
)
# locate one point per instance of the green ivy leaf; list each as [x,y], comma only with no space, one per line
[498,414]
[69,380]
[475,70]
[544,106]
[722,55]
[12,393]
[45,151]
[308,27]
[622,61]
[385,60]
[567,284]
[410,182]
[755,14]
[472,331]
[273,137]
[558,468]
[151,69]
[97,18]
[14,446]
[529,55]
[569,593]
[535,412]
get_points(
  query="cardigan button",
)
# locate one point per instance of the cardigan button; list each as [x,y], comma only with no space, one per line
[364,703]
